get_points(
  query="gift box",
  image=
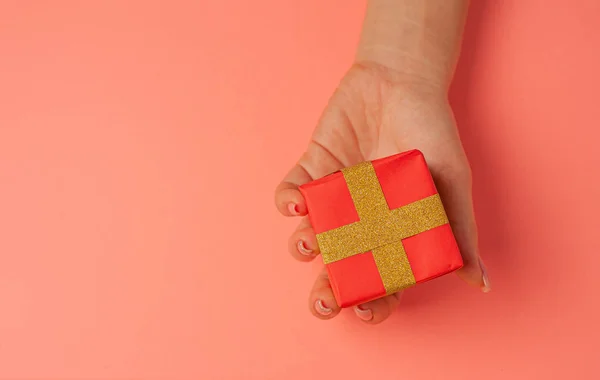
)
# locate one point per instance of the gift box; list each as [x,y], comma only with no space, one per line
[381,227]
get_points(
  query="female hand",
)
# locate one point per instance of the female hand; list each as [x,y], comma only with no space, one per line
[377,112]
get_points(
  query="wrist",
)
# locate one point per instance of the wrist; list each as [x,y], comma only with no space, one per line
[419,40]
[411,83]
[405,64]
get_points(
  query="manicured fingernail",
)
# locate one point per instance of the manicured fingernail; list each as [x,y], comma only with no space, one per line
[293,208]
[321,308]
[487,285]
[364,314]
[303,250]
[398,295]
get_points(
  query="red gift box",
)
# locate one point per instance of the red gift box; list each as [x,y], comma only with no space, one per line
[381,227]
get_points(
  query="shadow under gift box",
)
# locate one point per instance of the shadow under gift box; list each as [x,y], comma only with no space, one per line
[381,227]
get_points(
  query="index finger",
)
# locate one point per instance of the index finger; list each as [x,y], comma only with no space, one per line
[315,163]
[288,199]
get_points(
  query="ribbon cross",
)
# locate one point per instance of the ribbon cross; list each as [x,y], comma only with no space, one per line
[380,230]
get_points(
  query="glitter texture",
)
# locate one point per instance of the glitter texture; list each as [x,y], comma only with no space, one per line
[394,268]
[380,230]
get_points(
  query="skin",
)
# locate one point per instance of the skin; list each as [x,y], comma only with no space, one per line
[393,98]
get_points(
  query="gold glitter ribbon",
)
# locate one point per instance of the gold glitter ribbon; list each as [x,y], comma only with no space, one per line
[380,230]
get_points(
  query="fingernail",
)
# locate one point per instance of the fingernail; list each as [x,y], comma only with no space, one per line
[303,250]
[398,295]
[321,308]
[293,208]
[487,285]
[364,314]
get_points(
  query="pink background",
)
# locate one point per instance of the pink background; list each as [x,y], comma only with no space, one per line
[140,143]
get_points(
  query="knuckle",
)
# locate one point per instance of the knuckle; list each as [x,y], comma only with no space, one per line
[457,171]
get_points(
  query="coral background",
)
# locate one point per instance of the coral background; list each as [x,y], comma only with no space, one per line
[140,143]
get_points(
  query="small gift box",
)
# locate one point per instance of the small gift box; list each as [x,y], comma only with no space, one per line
[381,227]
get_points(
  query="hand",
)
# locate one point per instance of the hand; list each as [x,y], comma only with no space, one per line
[377,112]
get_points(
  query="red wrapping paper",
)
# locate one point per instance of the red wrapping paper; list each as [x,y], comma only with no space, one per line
[404,178]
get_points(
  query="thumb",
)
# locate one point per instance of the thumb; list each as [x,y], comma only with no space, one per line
[454,186]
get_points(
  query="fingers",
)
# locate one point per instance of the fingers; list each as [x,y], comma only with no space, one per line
[322,304]
[378,310]
[304,223]
[315,163]
[303,242]
[288,199]
[454,186]
[321,301]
